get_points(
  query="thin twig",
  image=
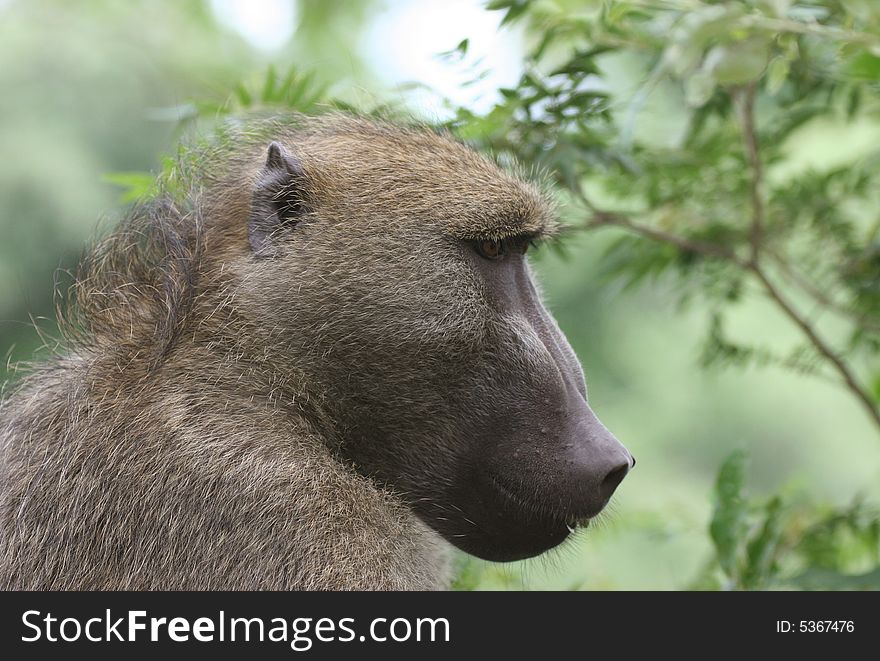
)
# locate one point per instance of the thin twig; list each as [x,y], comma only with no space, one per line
[793,276]
[821,346]
[610,219]
[753,155]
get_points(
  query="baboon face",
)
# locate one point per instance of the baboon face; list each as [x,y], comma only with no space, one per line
[393,266]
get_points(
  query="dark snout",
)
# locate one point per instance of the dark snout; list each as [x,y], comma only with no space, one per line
[537,461]
[595,464]
[591,462]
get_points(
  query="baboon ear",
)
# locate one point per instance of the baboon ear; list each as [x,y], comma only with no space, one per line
[278,202]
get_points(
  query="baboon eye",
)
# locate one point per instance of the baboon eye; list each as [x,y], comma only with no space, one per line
[495,249]
[490,249]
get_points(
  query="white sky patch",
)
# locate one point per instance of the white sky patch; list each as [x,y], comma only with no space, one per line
[267,24]
[403,41]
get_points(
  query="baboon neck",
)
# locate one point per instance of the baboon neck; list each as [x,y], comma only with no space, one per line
[244,370]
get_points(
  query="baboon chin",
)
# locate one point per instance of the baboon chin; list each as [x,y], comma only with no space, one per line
[314,362]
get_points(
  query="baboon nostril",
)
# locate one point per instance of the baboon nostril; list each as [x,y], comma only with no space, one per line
[633,465]
[613,479]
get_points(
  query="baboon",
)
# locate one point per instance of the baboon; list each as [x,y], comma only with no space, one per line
[316,360]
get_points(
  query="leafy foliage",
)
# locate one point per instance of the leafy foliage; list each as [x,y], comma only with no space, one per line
[716,201]
[266,94]
[289,90]
[720,203]
[773,543]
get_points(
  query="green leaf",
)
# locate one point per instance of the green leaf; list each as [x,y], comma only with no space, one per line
[467,572]
[818,578]
[761,549]
[776,8]
[457,53]
[707,24]
[681,58]
[864,10]
[634,259]
[137,185]
[738,63]
[845,540]
[729,517]
[515,8]
[581,63]
[243,95]
[699,89]
[864,66]
[777,72]
[268,93]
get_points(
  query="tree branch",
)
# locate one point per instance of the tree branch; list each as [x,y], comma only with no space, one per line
[777,25]
[746,100]
[822,347]
[794,277]
[771,24]
[609,219]
[714,250]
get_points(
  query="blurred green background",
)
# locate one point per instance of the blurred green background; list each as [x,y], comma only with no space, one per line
[102,87]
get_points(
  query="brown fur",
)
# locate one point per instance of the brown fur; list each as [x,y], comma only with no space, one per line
[186,440]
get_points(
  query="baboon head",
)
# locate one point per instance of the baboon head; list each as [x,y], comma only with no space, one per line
[388,268]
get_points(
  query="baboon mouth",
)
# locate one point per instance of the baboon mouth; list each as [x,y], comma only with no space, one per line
[520,502]
[537,512]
